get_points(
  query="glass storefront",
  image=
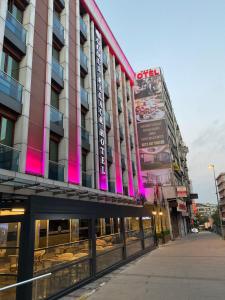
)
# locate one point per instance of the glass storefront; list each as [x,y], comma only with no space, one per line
[9,254]
[62,247]
[133,235]
[109,243]
[148,232]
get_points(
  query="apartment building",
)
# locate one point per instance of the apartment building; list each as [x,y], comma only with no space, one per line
[162,151]
[221,193]
[70,190]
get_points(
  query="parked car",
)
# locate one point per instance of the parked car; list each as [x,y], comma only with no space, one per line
[194,230]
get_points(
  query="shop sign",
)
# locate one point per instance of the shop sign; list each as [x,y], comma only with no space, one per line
[181,206]
[181,191]
[148,73]
[100,104]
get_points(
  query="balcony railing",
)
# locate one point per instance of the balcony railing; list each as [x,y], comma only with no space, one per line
[119,101]
[121,133]
[10,87]
[16,28]
[83,29]
[58,29]
[86,179]
[106,89]
[55,171]
[56,117]
[83,61]
[109,153]
[57,71]
[84,97]
[111,186]
[9,158]
[105,60]
[107,119]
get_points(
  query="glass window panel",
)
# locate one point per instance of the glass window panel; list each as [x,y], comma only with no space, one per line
[83,122]
[55,54]
[53,151]
[6,132]
[3,61]
[54,99]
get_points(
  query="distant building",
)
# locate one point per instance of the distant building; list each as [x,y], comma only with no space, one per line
[221,190]
[205,209]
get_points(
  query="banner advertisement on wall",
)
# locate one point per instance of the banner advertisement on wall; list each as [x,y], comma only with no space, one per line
[155,157]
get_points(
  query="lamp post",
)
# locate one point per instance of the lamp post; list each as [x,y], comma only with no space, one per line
[212,167]
[161,222]
[154,213]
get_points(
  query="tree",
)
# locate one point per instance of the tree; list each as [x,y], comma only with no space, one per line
[216,218]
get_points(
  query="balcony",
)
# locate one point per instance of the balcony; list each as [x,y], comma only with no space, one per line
[105,60]
[133,168]
[56,121]
[117,79]
[107,120]
[109,154]
[58,31]
[106,89]
[131,142]
[121,133]
[84,98]
[9,158]
[15,33]
[10,93]
[85,139]
[111,186]
[123,162]
[129,117]
[57,73]
[83,30]
[119,101]
[86,179]
[55,171]
[83,63]
[60,4]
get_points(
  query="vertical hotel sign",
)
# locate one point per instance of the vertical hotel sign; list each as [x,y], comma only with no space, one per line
[100,111]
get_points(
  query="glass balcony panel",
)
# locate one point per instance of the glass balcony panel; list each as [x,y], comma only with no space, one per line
[58,27]
[55,171]
[84,97]
[85,135]
[56,116]
[57,68]
[86,179]
[9,158]
[10,87]
[107,119]
[16,27]
[83,27]
[119,104]
[105,59]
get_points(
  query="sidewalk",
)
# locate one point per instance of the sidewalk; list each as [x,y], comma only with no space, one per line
[188,269]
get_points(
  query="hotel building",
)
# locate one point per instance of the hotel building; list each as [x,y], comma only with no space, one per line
[162,153]
[220,180]
[70,190]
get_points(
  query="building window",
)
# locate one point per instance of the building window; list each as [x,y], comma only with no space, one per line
[83,121]
[84,162]
[15,11]
[9,65]
[56,54]
[53,151]
[54,99]
[6,131]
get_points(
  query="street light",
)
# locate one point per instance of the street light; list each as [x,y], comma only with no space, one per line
[212,167]
[162,231]
[154,213]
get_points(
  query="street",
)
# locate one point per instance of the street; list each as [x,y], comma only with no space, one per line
[186,269]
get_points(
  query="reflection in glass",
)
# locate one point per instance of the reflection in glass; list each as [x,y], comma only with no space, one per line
[132,235]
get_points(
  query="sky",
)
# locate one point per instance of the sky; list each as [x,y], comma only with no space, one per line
[187,40]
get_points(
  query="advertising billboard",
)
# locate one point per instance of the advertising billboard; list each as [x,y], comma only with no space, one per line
[154,151]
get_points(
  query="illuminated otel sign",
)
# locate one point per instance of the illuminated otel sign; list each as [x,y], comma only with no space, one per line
[100,103]
[148,73]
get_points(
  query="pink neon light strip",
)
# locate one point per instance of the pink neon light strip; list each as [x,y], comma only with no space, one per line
[103,27]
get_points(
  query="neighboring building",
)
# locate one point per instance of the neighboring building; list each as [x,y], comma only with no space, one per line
[206,209]
[69,178]
[162,150]
[221,191]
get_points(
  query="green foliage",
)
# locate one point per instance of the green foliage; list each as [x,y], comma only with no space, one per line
[216,218]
